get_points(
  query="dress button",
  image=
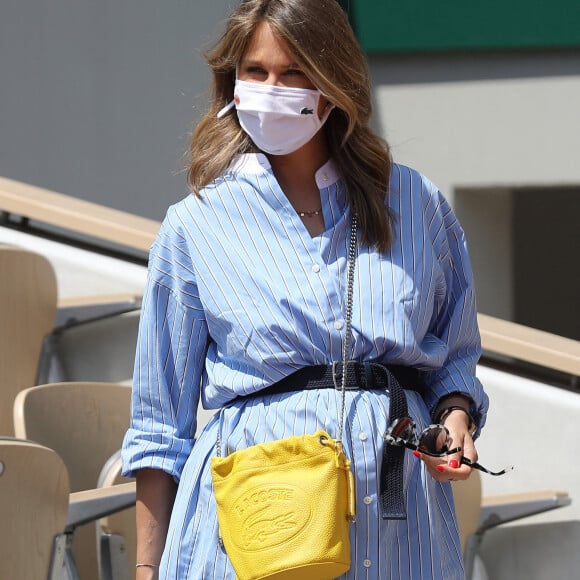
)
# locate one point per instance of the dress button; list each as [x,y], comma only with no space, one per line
[367,563]
[316,268]
[338,325]
[362,436]
[325,176]
[367,500]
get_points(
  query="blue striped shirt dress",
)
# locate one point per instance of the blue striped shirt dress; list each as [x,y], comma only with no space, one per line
[239,295]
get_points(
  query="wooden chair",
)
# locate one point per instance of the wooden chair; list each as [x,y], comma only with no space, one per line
[467,496]
[28,303]
[34,499]
[85,424]
[476,515]
[116,533]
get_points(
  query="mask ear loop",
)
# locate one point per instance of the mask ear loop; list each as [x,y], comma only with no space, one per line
[222,112]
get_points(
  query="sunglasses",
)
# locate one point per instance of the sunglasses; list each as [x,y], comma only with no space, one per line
[433,441]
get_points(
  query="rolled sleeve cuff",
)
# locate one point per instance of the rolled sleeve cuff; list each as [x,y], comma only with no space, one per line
[445,383]
[153,451]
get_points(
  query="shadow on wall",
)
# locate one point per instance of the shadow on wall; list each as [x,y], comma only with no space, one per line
[523,242]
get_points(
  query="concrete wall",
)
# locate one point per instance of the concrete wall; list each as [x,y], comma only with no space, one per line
[483,119]
[97,98]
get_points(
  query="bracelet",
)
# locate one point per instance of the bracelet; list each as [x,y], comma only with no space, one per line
[444,413]
[146,566]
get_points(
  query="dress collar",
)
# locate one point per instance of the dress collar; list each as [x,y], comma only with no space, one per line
[256,163]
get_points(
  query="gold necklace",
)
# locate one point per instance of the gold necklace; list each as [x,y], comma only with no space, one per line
[310,212]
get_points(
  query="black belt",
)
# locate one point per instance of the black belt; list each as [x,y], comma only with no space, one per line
[367,376]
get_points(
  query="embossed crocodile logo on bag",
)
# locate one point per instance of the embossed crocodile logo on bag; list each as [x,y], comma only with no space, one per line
[264,528]
[270,515]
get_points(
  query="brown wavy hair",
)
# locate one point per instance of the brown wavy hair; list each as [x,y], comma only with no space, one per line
[320,38]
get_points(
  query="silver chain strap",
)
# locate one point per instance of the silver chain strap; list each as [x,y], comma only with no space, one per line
[346,345]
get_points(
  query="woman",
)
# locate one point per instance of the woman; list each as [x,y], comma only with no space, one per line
[247,285]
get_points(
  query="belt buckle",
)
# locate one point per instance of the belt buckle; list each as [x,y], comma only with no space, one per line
[338,368]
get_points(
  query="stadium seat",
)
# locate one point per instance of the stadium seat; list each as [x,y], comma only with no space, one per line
[34,499]
[85,424]
[28,305]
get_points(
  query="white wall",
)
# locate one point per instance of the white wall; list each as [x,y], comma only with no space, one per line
[534,427]
[464,119]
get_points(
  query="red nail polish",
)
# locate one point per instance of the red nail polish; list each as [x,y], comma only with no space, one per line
[454,463]
[417,454]
[440,468]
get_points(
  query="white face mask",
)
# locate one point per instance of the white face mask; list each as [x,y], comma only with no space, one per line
[279,120]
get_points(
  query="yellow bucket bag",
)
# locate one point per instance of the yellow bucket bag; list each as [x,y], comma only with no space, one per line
[284,508]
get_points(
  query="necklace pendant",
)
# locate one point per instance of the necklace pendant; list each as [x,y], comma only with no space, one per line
[310,212]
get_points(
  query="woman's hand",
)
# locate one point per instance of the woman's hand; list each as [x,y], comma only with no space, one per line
[449,467]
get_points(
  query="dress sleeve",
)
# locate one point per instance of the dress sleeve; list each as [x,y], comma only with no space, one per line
[455,321]
[169,361]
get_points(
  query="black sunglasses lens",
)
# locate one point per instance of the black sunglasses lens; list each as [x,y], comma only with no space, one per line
[434,439]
